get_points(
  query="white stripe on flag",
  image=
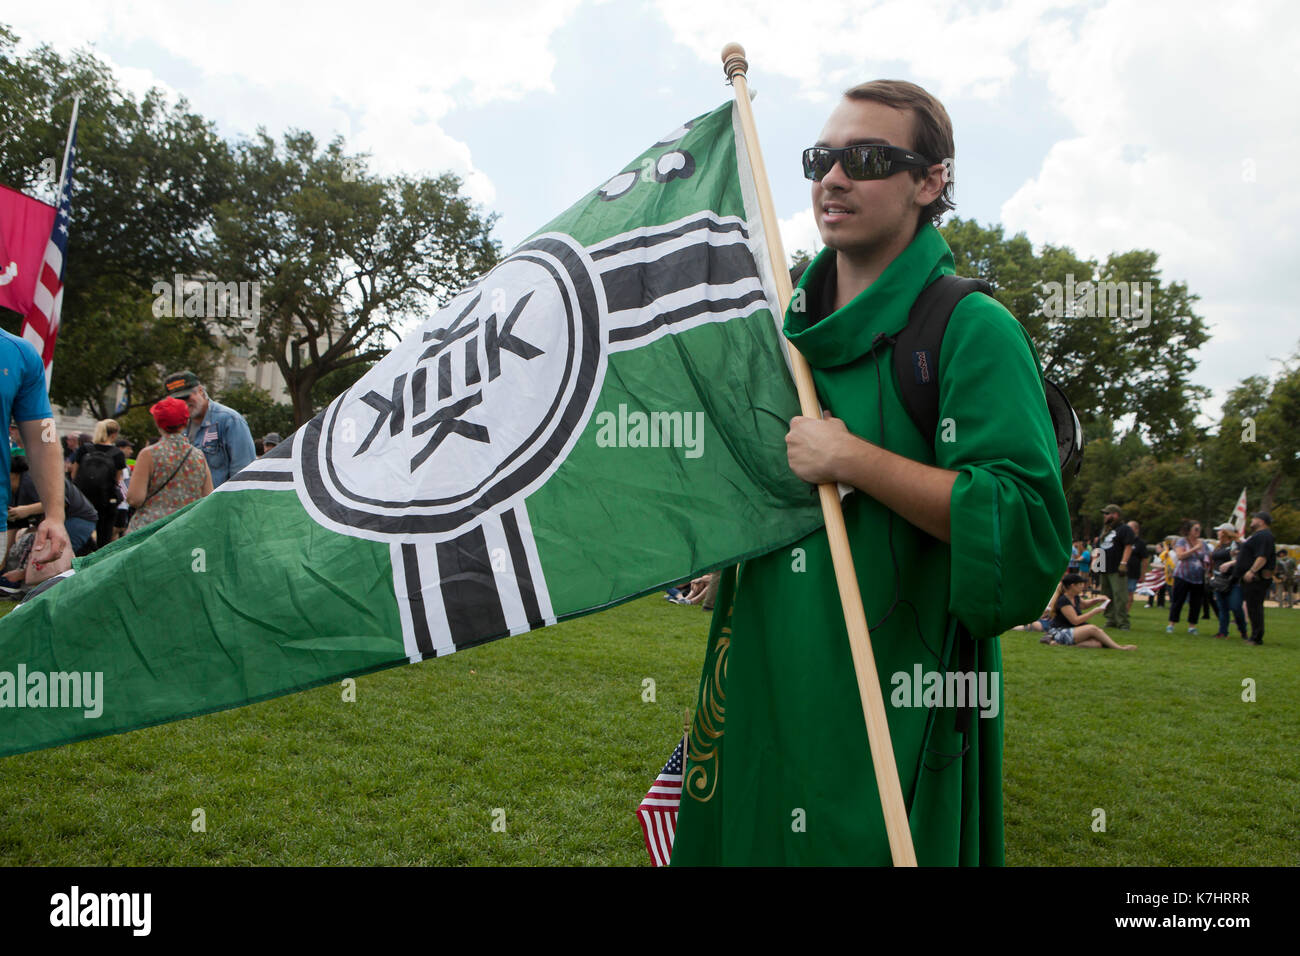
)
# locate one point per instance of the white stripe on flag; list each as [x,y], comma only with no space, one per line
[403,606]
[237,484]
[642,255]
[704,318]
[505,579]
[627,318]
[664,842]
[271,464]
[43,300]
[652,838]
[534,564]
[660,230]
[435,612]
[757,236]
[54,258]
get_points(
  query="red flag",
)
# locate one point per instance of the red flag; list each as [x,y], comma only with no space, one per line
[25,225]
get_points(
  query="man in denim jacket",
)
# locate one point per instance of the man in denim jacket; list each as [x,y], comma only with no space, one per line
[219,432]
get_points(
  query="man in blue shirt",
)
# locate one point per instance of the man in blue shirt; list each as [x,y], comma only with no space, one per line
[23,400]
[220,432]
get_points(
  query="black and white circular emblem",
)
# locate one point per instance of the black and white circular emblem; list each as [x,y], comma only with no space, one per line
[472,411]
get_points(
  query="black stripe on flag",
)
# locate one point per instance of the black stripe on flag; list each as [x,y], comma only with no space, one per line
[519,557]
[637,285]
[282,450]
[645,240]
[469,590]
[252,474]
[685,312]
[415,599]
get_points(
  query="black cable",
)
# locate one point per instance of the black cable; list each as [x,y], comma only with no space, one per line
[893,555]
[898,577]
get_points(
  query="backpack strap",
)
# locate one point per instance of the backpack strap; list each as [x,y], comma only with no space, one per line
[916,348]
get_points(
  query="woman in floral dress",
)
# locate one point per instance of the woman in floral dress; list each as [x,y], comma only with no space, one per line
[170,473]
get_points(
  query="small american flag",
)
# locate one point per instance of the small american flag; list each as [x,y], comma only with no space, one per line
[41,324]
[1239,513]
[1152,581]
[658,811]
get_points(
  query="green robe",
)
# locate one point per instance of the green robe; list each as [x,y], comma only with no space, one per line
[778,768]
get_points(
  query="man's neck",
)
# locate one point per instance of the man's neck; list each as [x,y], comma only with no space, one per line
[856,270]
[197,420]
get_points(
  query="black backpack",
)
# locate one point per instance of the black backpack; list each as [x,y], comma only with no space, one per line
[97,477]
[916,368]
[919,344]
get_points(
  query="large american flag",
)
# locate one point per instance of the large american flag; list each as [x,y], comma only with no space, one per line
[41,324]
[658,811]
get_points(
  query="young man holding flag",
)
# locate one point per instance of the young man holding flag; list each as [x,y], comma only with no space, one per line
[954,540]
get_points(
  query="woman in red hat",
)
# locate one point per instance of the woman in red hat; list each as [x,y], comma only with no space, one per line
[170,473]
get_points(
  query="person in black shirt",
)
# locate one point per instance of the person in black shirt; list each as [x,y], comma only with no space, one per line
[1116,549]
[103,494]
[1068,625]
[1222,581]
[26,507]
[1254,565]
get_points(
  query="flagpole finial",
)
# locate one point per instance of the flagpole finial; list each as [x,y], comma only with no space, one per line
[733,60]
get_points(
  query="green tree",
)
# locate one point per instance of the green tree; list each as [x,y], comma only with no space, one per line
[800,258]
[1158,494]
[333,384]
[343,258]
[263,413]
[1286,525]
[1277,434]
[1156,354]
[1234,457]
[1110,367]
[147,177]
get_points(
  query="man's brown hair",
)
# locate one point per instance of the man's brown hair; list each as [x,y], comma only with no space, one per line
[931,131]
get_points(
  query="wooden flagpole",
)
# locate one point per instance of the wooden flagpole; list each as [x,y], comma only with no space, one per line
[855,618]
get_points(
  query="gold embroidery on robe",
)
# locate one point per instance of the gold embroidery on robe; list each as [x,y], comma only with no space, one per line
[707,727]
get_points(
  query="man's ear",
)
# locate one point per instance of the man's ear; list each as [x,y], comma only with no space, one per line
[931,187]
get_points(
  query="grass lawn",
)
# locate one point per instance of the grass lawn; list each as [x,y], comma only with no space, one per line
[549,733]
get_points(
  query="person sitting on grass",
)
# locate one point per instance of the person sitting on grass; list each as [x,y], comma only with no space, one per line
[1044,621]
[1068,627]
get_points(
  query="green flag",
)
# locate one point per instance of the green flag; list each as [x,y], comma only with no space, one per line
[599,416]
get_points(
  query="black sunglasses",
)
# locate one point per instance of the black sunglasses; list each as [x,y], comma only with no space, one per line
[865,161]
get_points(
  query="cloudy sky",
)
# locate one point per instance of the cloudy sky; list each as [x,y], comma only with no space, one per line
[1104,126]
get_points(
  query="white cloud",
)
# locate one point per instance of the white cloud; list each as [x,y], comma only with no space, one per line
[384,72]
[837,43]
[800,232]
[1186,125]
[1174,106]
[1169,131]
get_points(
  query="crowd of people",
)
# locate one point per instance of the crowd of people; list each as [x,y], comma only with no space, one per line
[1226,580]
[110,491]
